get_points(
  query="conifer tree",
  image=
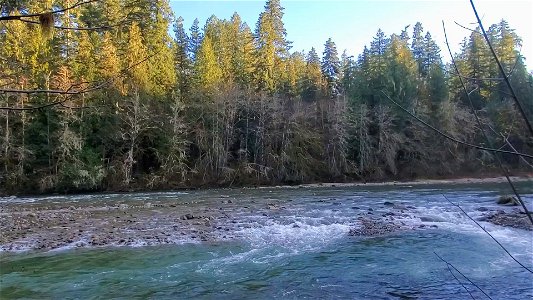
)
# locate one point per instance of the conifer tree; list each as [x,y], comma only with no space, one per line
[182,61]
[109,63]
[208,71]
[244,59]
[195,39]
[418,46]
[313,80]
[331,67]
[272,46]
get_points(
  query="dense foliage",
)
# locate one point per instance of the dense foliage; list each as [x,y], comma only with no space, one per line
[226,104]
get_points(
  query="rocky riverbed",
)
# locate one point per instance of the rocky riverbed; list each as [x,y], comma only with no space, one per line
[48,225]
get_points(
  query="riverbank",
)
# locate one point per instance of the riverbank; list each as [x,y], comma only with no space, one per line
[463,180]
[482,179]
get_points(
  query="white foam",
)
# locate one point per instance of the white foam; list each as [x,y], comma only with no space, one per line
[296,236]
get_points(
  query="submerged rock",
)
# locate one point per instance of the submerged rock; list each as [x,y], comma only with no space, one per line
[373,228]
[508,200]
[432,219]
[512,219]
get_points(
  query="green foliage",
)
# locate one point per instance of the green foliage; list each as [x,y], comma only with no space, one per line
[222,105]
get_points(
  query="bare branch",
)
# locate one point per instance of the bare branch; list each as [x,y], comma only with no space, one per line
[497,242]
[68,91]
[469,29]
[20,17]
[502,72]
[500,164]
[506,142]
[107,27]
[450,137]
[471,282]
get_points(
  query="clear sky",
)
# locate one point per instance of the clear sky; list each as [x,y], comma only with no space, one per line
[353,23]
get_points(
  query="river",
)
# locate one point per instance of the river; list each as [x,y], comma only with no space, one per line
[289,243]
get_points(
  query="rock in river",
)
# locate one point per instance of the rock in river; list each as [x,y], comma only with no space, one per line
[508,200]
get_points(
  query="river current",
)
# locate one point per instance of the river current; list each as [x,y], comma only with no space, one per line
[297,247]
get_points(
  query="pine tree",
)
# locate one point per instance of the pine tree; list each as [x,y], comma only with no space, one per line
[182,61]
[109,63]
[135,53]
[208,71]
[244,59]
[195,39]
[272,46]
[418,46]
[430,57]
[401,73]
[313,80]
[348,72]
[331,67]
[162,75]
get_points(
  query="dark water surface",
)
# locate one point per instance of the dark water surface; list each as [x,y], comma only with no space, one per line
[300,251]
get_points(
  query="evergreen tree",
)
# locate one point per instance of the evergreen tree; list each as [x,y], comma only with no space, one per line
[431,55]
[109,63]
[208,71]
[182,62]
[313,80]
[136,52]
[418,46]
[331,67]
[195,39]
[272,46]
[243,58]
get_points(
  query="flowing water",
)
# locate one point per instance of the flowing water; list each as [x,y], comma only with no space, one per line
[301,248]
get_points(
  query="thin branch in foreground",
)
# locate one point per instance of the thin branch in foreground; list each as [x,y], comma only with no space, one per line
[68,92]
[471,282]
[499,78]
[450,137]
[500,164]
[460,282]
[506,142]
[106,27]
[483,228]
[20,17]
[502,71]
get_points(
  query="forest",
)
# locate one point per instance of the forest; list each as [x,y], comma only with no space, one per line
[118,95]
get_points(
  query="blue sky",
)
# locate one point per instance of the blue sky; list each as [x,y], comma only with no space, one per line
[352,23]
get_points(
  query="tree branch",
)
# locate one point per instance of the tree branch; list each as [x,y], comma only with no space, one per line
[502,71]
[20,17]
[471,282]
[500,164]
[68,91]
[497,242]
[450,137]
[79,28]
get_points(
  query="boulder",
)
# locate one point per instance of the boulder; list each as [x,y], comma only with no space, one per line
[508,200]
[432,219]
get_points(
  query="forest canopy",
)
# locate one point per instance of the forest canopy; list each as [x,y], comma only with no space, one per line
[118,95]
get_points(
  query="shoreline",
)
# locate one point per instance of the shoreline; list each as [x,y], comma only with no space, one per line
[459,180]
[523,177]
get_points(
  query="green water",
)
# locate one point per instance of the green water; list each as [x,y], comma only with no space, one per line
[304,252]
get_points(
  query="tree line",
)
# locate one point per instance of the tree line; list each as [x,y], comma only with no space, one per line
[126,105]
